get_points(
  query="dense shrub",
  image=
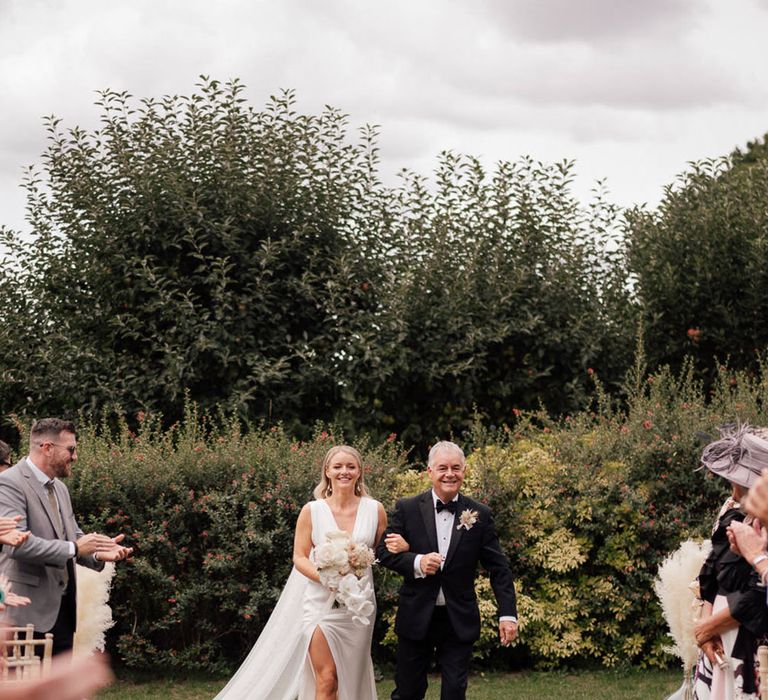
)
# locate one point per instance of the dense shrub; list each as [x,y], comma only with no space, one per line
[586,509]
[210,509]
[589,507]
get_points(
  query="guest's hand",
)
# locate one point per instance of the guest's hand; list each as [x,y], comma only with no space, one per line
[14,538]
[68,679]
[16,601]
[748,540]
[703,632]
[712,649]
[709,628]
[507,632]
[395,543]
[117,552]
[11,599]
[8,524]
[94,542]
[430,563]
[757,498]
[9,534]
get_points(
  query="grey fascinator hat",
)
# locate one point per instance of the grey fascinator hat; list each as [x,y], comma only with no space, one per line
[739,455]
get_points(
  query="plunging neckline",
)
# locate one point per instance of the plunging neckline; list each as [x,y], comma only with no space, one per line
[336,522]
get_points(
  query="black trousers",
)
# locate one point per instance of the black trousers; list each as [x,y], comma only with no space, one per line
[414,657]
[63,629]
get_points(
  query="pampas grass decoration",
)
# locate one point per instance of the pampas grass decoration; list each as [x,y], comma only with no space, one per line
[94,616]
[674,588]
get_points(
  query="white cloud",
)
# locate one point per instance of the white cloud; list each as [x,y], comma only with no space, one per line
[593,20]
[633,90]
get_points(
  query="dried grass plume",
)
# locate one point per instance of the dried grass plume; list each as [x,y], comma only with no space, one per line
[674,588]
[94,616]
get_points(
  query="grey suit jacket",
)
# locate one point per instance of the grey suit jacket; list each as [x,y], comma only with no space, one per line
[37,568]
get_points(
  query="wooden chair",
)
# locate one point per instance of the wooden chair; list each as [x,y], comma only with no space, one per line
[18,658]
[762,660]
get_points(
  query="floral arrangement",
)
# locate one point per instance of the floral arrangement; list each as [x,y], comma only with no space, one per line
[341,563]
[467,519]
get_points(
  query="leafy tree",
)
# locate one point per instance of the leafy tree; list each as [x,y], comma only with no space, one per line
[196,246]
[190,244]
[504,292]
[700,263]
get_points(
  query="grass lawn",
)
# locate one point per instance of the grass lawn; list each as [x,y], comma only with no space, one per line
[587,685]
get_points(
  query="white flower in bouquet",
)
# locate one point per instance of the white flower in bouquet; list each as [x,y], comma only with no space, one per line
[332,556]
[356,597]
[348,585]
[341,563]
[330,578]
[360,607]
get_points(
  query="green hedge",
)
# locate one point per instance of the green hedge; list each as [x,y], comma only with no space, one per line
[210,509]
[586,509]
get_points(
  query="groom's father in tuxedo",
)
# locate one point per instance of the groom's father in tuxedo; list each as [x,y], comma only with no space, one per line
[448,535]
[43,567]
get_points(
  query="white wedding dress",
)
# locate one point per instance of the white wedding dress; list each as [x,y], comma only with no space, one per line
[278,667]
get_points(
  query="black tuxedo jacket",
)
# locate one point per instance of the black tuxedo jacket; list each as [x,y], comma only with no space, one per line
[414,519]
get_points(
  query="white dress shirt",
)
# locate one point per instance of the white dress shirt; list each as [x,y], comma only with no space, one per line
[444,524]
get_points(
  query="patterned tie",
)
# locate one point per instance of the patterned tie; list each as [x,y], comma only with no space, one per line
[54,505]
[57,516]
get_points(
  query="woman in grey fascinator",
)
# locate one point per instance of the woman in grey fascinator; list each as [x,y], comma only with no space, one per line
[734,614]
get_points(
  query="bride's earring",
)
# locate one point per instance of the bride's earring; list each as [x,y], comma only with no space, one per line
[329,489]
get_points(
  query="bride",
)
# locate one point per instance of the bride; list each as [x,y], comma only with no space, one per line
[310,649]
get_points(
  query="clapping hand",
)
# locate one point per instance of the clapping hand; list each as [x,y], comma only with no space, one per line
[757,498]
[104,547]
[395,543]
[10,599]
[9,534]
[116,552]
[747,541]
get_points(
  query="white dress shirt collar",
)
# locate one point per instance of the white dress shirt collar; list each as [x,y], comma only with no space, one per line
[436,498]
[40,475]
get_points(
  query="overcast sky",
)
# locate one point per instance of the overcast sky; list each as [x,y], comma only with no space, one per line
[630,89]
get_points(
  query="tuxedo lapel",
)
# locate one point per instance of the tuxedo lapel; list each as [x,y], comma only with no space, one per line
[456,532]
[42,494]
[427,508]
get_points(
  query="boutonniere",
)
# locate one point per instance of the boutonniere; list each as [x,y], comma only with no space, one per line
[467,519]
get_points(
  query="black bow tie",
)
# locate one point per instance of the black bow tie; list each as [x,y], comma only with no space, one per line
[450,506]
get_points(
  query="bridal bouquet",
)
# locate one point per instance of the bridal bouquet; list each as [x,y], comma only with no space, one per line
[341,563]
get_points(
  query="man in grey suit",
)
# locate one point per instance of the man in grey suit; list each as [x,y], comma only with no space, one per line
[43,567]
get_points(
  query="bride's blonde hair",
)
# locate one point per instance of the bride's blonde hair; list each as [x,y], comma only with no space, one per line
[324,488]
